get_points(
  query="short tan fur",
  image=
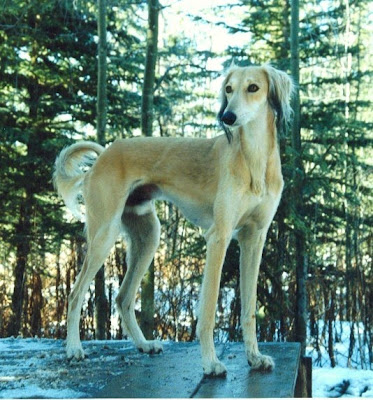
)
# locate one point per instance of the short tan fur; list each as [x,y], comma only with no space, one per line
[230,188]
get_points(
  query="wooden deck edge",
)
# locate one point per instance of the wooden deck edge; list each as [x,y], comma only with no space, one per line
[177,374]
[303,388]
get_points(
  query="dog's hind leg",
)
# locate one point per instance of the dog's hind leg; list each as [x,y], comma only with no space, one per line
[251,241]
[100,241]
[142,232]
[103,210]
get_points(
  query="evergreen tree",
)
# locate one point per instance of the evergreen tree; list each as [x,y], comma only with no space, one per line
[100,295]
[43,47]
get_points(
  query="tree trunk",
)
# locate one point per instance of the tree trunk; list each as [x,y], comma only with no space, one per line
[36,303]
[60,296]
[147,104]
[147,115]
[24,226]
[300,237]
[101,308]
[23,231]
[101,72]
[147,303]
[330,317]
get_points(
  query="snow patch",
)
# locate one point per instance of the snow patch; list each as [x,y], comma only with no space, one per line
[342,382]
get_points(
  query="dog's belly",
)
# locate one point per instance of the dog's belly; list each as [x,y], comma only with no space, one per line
[198,214]
[194,215]
[140,202]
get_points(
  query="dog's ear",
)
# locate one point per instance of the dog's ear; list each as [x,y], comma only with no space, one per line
[280,90]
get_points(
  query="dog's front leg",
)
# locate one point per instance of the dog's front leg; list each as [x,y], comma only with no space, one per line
[217,243]
[251,242]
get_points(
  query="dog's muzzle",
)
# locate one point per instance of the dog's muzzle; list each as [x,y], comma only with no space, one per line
[229,118]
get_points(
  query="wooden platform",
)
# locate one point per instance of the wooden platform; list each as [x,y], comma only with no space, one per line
[177,373]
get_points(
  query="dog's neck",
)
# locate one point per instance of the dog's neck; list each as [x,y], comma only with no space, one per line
[257,139]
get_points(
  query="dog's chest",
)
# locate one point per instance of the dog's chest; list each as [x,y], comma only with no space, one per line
[259,210]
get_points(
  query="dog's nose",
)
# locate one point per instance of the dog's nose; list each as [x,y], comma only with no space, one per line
[229,118]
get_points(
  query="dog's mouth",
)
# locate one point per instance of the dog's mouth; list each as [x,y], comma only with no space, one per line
[235,121]
[226,130]
[230,120]
[223,124]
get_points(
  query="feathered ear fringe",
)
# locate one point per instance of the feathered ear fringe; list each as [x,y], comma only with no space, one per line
[281,88]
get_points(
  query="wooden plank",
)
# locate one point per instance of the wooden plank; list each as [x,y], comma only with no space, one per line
[241,381]
[177,373]
[173,374]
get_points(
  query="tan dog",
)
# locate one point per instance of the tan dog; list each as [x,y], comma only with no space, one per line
[228,187]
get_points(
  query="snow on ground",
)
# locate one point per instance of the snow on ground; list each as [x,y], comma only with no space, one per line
[350,378]
[342,382]
[37,368]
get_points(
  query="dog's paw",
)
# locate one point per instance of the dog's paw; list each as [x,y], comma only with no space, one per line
[75,352]
[259,362]
[215,369]
[151,347]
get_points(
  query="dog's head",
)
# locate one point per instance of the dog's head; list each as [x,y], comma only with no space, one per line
[246,89]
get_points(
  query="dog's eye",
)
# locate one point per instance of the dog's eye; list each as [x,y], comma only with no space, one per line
[253,88]
[228,89]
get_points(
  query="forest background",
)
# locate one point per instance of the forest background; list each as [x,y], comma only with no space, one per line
[48,95]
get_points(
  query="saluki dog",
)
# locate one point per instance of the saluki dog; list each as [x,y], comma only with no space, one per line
[229,185]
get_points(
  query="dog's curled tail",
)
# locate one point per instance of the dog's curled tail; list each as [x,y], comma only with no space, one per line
[69,171]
